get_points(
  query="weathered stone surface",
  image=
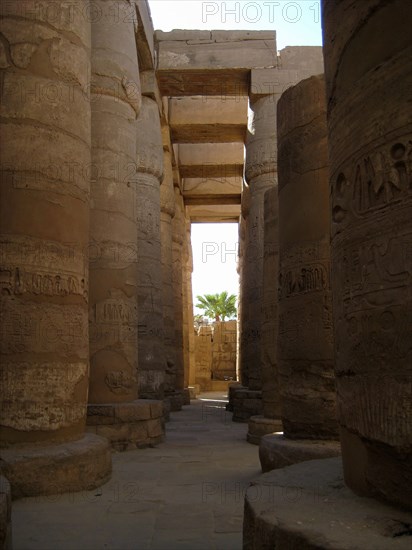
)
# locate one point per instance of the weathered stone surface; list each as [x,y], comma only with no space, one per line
[260,172]
[231,392]
[5,515]
[144,34]
[305,340]
[369,96]
[44,217]
[308,506]
[116,102]
[212,63]
[167,203]
[178,237]
[295,63]
[302,59]
[215,353]
[53,469]
[227,213]
[201,119]
[276,451]
[270,378]
[246,403]
[211,160]
[258,426]
[149,155]
[136,424]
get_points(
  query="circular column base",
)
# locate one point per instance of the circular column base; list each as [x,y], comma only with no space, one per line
[308,506]
[186,396]
[128,426]
[260,426]
[5,514]
[176,401]
[246,403]
[53,469]
[276,451]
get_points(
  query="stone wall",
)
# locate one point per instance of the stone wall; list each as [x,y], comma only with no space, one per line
[215,354]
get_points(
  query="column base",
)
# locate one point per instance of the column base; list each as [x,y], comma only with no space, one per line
[176,401]
[194,391]
[260,426]
[330,515]
[276,451]
[134,425]
[54,469]
[186,396]
[231,390]
[246,403]
[5,514]
[166,409]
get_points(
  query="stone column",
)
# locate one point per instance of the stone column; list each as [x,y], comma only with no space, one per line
[260,173]
[270,421]
[151,356]
[178,237]
[168,207]
[44,225]
[305,339]
[369,96]
[116,101]
[190,320]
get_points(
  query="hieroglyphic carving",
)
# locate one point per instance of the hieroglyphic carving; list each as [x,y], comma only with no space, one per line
[372,183]
[44,328]
[46,393]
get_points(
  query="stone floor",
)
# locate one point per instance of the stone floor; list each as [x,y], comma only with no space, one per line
[186,493]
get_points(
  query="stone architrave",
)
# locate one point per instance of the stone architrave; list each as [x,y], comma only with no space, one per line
[114,410]
[44,224]
[149,155]
[305,331]
[369,97]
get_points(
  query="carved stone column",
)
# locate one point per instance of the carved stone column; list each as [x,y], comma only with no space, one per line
[116,100]
[168,208]
[151,356]
[305,336]
[260,172]
[44,225]
[369,98]
[191,377]
[270,421]
[178,237]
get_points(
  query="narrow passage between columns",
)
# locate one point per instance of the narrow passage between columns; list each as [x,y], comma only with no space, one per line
[187,493]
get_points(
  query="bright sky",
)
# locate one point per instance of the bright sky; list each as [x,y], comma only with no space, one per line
[296,24]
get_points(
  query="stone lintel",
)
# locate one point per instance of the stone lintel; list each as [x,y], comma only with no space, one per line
[145,36]
[308,506]
[306,59]
[212,62]
[200,187]
[150,88]
[217,213]
[215,160]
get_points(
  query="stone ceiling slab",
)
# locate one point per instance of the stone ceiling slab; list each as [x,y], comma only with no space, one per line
[205,119]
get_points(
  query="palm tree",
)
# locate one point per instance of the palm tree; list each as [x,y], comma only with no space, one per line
[218,306]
